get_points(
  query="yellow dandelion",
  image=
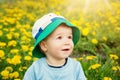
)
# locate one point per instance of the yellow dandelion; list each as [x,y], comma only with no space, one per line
[94,41]
[2,54]
[27,58]
[2,44]
[80,58]
[118,68]
[8,60]
[12,43]
[9,68]
[95,66]
[16,35]
[114,68]
[25,67]
[31,48]
[10,75]
[30,53]
[114,56]
[11,20]
[1,33]
[15,74]
[20,69]
[25,48]
[9,36]
[85,31]
[16,60]
[5,73]
[107,78]
[90,57]
[58,13]
[17,79]
[104,38]
[14,51]
[12,29]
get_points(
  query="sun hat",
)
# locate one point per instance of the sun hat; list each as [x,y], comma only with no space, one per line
[44,26]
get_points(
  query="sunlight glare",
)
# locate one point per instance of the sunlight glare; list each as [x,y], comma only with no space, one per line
[94,5]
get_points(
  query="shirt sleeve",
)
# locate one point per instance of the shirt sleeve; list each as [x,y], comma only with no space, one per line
[30,74]
[80,73]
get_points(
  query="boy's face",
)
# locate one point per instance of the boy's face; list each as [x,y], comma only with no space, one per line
[59,44]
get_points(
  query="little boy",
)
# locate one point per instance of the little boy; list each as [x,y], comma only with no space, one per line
[55,40]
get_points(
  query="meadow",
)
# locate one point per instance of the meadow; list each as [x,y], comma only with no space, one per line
[98,49]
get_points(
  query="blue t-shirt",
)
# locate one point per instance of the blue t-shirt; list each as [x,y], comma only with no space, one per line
[40,70]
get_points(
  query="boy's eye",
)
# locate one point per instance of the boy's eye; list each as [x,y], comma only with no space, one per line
[59,37]
[70,37]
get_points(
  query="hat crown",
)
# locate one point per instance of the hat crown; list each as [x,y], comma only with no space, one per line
[42,23]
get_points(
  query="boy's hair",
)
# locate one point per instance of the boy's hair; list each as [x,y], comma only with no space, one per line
[45,26]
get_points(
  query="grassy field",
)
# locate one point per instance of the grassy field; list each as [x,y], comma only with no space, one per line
[98,49]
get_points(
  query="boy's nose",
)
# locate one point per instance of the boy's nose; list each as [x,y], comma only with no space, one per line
[67,41]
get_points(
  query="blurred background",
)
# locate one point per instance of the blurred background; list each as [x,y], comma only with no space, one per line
[98,49]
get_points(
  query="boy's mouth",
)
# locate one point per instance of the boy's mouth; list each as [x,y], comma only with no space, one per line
[65,49]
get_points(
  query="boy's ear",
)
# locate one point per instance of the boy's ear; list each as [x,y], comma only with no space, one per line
[42,45]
